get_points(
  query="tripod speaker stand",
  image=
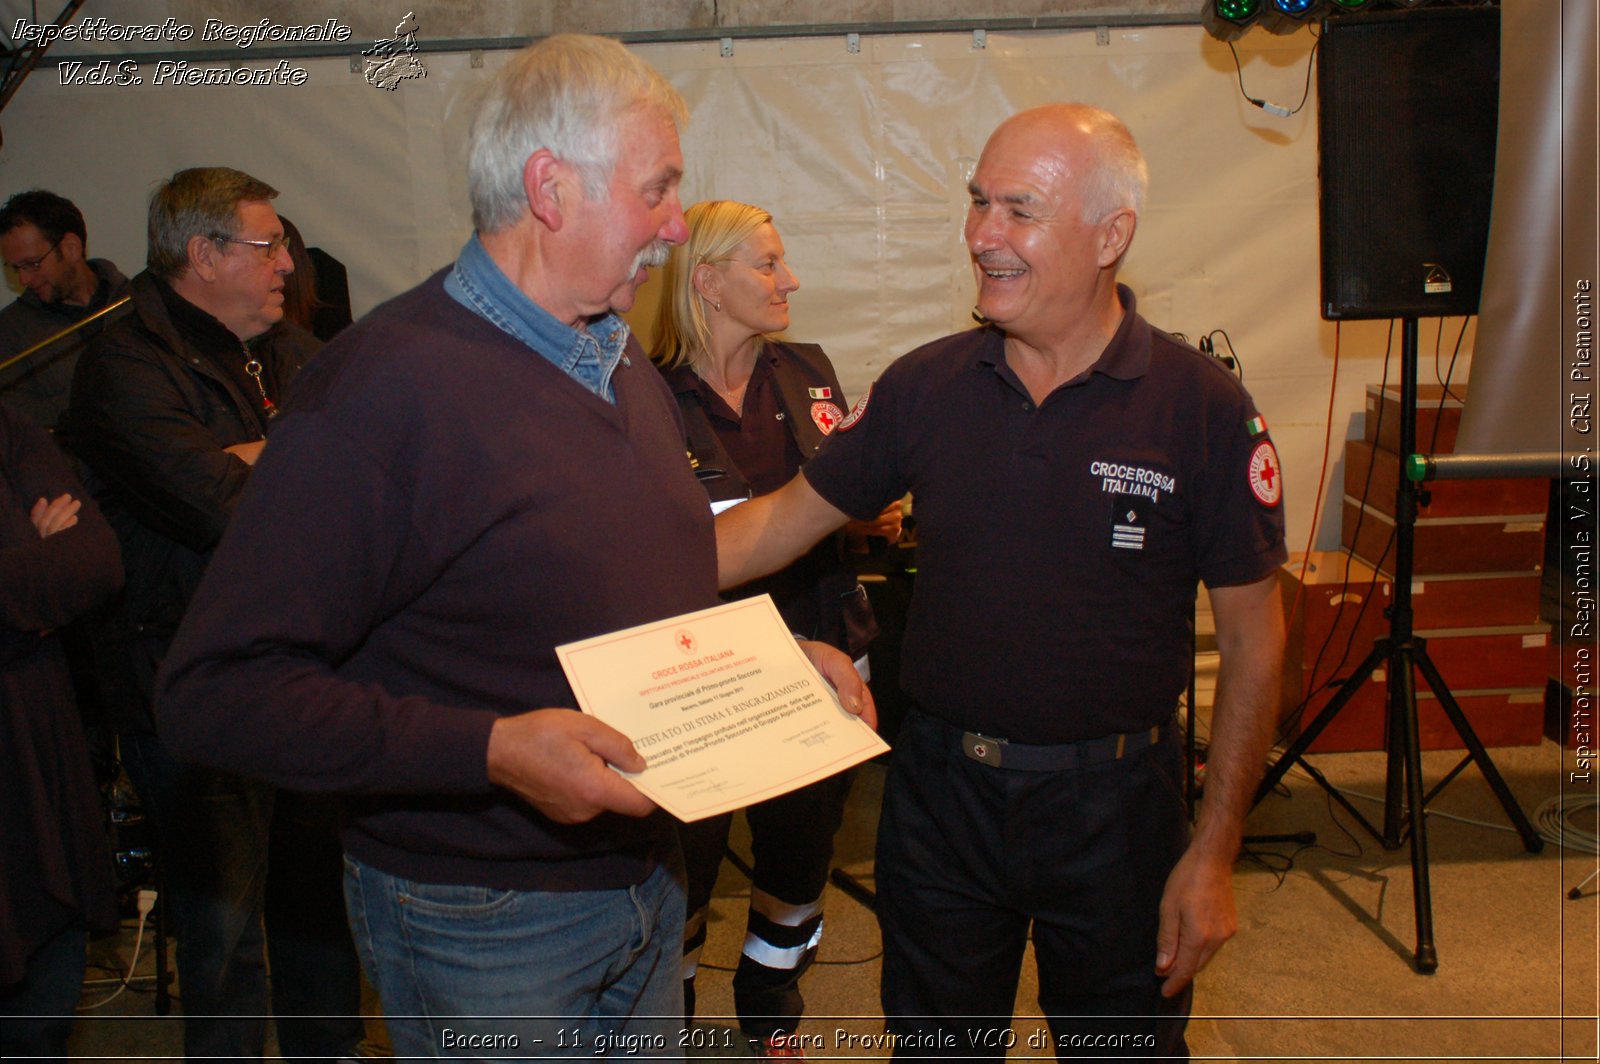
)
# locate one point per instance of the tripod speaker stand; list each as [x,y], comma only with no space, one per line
[1405,655]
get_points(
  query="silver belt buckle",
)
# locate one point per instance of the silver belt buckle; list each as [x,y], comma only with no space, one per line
[982,748]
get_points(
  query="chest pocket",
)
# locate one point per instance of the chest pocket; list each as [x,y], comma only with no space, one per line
[1142,516]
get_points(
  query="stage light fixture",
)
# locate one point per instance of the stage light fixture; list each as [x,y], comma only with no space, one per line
[1227,20]
[1287,16]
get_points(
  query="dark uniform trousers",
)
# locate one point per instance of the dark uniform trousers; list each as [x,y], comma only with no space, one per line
[970,855]
[791,836]
[791,841]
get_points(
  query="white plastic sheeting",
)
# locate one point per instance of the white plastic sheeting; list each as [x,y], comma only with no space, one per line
[1536,378]
[863,157]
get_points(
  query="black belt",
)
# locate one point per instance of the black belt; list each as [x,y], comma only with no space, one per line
[1058,757]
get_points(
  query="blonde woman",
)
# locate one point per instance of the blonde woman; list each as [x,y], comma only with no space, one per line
[755,409]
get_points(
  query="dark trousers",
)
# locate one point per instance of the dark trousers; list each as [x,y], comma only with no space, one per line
[316,972]
[791,843]
[971,857]
[213,837]
[36,1014]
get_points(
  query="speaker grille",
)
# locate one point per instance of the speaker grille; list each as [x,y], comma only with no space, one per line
[1407,112]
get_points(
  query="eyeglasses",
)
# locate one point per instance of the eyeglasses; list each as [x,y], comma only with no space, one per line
[30,265]
[271,247]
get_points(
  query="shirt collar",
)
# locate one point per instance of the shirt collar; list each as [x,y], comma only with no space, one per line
[1125,358]
[589,355]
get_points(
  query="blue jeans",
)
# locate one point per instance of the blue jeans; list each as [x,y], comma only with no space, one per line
[482,972]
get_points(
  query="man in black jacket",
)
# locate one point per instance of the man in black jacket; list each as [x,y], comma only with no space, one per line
[169,410]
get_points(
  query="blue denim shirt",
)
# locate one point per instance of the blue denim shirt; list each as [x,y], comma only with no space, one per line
[589,356]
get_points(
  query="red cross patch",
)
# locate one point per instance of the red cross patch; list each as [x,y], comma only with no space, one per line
[827,416]
[857,412]
[1266,476]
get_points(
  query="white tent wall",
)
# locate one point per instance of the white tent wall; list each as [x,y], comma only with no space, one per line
[863,157]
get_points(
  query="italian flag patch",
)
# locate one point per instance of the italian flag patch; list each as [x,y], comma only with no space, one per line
[1256,426]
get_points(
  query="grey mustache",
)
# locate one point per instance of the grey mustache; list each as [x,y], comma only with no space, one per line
[654,255]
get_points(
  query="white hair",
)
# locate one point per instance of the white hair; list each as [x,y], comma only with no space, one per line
[563,94]
[1118,176]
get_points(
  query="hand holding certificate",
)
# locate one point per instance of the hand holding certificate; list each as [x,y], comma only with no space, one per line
[722,704]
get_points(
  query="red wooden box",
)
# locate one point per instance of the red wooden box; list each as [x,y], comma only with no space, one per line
[1500,718]
[1501,543]
[1434,408]
[1478,658]
[1444,498]
[1495,671]
[1340,607]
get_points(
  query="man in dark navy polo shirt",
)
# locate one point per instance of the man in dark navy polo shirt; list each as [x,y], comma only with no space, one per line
[1076,473]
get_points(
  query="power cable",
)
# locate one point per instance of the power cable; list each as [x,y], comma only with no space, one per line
[1266,105]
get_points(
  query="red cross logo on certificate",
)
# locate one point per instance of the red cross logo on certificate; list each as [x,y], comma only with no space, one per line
[1266,476]
[685,640]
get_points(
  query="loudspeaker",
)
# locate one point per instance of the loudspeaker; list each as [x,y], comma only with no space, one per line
[1407,111]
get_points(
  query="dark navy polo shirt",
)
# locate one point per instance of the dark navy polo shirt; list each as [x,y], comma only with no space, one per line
[1059,547]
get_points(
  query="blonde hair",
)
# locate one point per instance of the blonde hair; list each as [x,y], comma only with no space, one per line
[716,228]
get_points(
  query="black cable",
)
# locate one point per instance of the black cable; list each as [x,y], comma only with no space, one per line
[1438,342]
[1333,815]
[1279,865]
[1292,719]
[1231,359]
[1272,108]
[1450,370]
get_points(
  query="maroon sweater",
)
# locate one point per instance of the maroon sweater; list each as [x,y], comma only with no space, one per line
[441,507]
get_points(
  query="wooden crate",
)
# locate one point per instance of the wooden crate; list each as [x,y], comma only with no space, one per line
[1342,605]
[1475,600]
[1514,656]
[1495,671]
[1500,543]
[1513,717]
[1525,497]
[1434,408]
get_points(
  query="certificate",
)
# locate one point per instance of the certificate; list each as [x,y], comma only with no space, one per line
[722,704]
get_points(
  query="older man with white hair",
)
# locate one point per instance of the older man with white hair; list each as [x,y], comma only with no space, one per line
[477,472]
[1076,473]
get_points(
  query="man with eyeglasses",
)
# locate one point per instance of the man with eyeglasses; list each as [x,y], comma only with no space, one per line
[44,245]
[169,410]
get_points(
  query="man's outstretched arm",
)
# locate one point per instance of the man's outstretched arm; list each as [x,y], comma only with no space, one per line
[765,534]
